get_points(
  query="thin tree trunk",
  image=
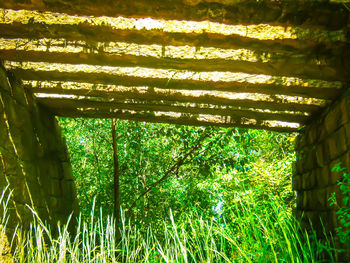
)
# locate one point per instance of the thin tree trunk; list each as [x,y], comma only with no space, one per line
[116,180]
[170,171]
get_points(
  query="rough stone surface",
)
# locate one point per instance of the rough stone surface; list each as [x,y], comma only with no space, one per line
[34,161]
[320,146]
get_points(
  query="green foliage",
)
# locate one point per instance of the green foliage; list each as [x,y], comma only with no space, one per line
[210,178]
[268,234]
[343,211]
[229,201]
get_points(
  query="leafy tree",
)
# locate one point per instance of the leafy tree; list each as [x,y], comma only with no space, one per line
[176,167]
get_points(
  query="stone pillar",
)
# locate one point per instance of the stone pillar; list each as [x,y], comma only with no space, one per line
[34,161]
[320,146]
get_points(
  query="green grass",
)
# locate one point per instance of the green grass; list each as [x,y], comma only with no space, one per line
[248,233]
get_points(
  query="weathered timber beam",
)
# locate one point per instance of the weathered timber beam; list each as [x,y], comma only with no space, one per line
[86,103]
[178,97]
[91,33]
[301,67]
[191,120]
[313,14]
[187,84]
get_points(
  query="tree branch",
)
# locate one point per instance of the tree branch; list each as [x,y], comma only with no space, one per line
[175,167]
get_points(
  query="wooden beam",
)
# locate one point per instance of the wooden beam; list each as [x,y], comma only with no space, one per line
[191,120]
[314,14]
[91,33]
[179,97]
[88,103]
[187,84]
[301,67]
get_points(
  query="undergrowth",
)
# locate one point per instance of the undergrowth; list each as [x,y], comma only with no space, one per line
[246,234]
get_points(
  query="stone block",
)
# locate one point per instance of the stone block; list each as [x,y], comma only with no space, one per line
[313,134]
[69,190]
[46,118]
[55,187]
[340,140]
[36,192]
[331,148]
[296,182]
[322,133]
[16,114]
[300,200]
[299,167]
[322,176]
[320,155]
[60,205]
[319,199]
[309,180]
[305,199]
[24,143]
[62,151]
[325,150]
[17,184]
[54,203]
[301,141]
[344,104]
[11,164]
[334,118]
[26,191]
[49,168]
[310,160]
[29,170]
[6,144]
[67,171]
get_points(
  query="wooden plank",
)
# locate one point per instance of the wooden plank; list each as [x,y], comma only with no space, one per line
[180,97]
[187,84]
[91,33]
[182,120]
[301,67]
[86,103]
[285,13]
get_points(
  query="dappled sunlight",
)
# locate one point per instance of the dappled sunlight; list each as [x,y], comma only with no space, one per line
[123,48]
[213,70]
[261,32]
[191,93]
[173,74]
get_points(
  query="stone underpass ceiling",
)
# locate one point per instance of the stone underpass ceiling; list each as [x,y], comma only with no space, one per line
[256,64]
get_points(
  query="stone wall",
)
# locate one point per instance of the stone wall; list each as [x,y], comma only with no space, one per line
[33,158]
[320,146]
